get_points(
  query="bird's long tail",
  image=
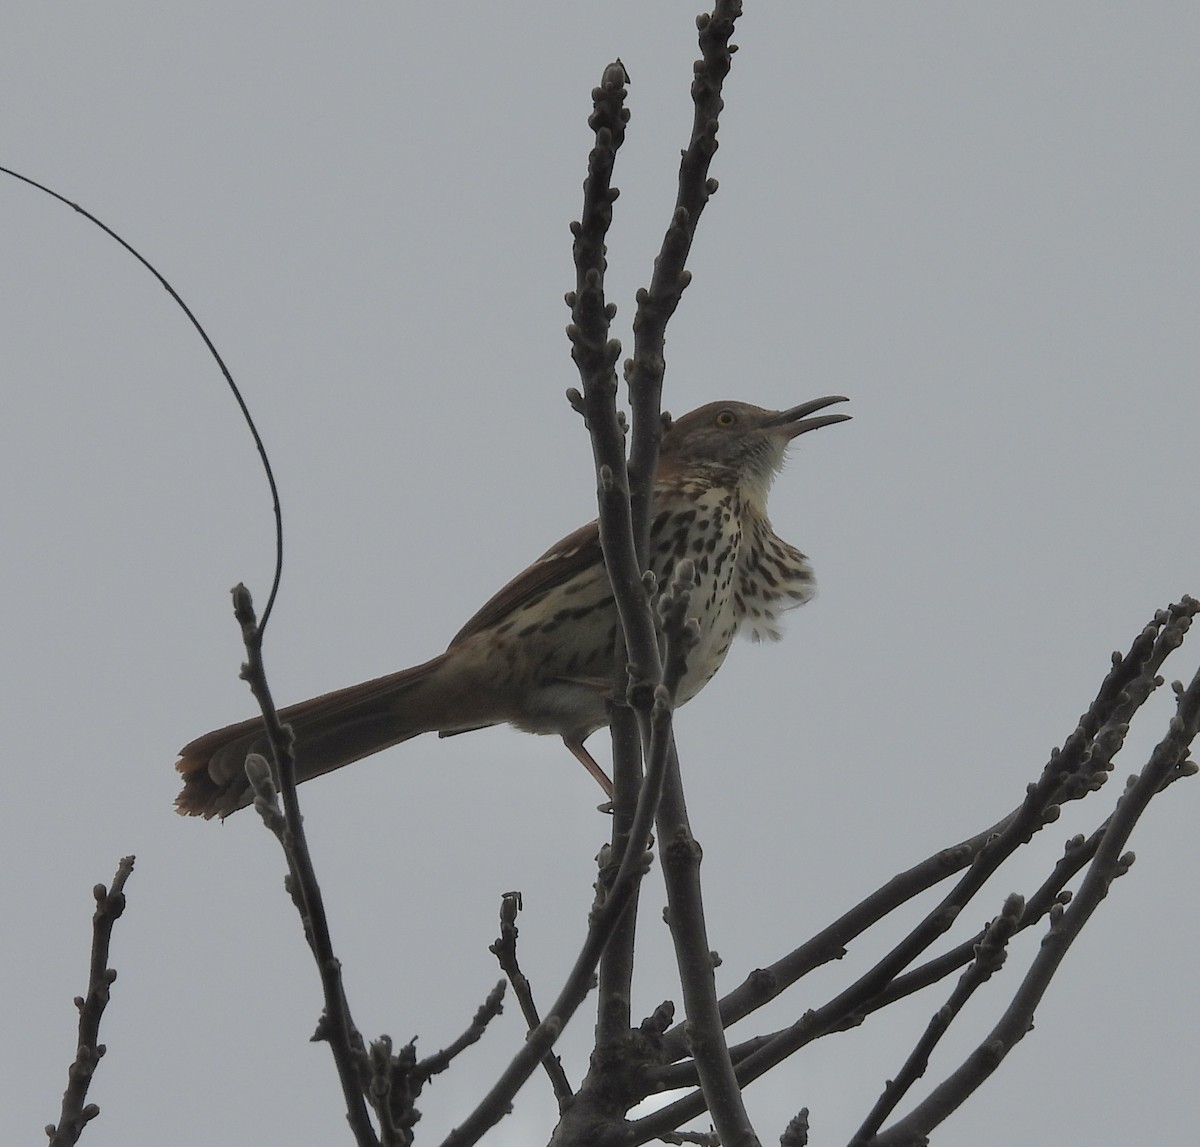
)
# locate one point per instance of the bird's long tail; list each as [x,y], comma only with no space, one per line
[332,730]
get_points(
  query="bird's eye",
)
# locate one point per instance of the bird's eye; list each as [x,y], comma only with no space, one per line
[725,419]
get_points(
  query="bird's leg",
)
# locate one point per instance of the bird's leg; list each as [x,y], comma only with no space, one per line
[575,744]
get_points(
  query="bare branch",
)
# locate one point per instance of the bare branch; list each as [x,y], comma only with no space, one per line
[431,1065]
[397,1079]
[1072,772]
[696,962]
[595,355]
[626,558]
[1168,758]
[336,1025]
[75,1114]
[656,304]
[504,948]
[989,957]
[633,814]
[636,671]
[497,1102]
[1077,854]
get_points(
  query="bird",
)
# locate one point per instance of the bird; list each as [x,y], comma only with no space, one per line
[540,654]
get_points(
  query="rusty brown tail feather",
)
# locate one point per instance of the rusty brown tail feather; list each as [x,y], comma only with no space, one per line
[332,730]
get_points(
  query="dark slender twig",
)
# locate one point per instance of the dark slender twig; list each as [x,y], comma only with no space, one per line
[397,1079]
[1078,852]
[392,1081]
[632,591]
[620,1057]
[616,965]
[1167,759]
[434,1064]
[681,862]
[626,557]
[680,634]
[1072,773]
[496,1104]
[765,984]
[76,1113]
[336,1027]
[595,355]
[212,350]
[990,954]
[602,922]
[696,962]
[637,670]
[504,948]
[655,304]
[824,947]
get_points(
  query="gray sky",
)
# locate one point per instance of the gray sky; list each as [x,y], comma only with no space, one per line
[976,221]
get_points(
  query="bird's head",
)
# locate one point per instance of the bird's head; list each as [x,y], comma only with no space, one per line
[734,444]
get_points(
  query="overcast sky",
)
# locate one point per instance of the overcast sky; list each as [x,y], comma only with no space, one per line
[977,221]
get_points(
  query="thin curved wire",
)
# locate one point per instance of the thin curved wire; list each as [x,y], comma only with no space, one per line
[233,386]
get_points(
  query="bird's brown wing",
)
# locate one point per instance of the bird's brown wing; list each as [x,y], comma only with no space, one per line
[562,561]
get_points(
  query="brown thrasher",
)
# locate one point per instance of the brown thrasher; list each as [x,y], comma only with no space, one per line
[540,654]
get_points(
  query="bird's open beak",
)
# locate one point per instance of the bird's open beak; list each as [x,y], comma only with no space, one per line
[795,422]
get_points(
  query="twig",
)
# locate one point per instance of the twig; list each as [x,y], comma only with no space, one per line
[336,1026]
[990,954]
[1070,774]
[595,355]
[504,948]
[680,634]
[656,304]
[616,965]
[75,1114]
[681,872]
[626,557]
[1168,758]
[234,389]
[397,1079]
[497,1102]
[696,962]
[764,984]
[432,1065]
[1077,854]
[620,1056]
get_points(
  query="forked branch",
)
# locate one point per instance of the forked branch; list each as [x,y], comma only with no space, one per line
[336,1026]
[1073,772]
[76,1113]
